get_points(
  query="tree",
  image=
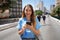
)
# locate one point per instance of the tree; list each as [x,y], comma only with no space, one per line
[57,11]
[6,4]
[38,12]
[53,12]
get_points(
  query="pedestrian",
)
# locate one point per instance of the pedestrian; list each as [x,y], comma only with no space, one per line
[28,25]
[44,18]
[39,17]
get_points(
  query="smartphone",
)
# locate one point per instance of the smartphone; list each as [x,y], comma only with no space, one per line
[29,23]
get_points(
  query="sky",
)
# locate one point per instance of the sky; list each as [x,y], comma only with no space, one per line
[34,3]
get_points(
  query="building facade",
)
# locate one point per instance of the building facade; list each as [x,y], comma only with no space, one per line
[41,6]
[57,2]
[16,8]
[51,8]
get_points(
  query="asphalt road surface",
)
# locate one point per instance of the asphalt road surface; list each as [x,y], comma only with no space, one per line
[49,31]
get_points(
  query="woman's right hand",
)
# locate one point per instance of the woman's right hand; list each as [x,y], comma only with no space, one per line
[23,29]
[25,26]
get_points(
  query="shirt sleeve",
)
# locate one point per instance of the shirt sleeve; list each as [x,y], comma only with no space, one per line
[38,25]
[19,25]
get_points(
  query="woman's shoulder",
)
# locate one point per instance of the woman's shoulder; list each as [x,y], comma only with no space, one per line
[21,19]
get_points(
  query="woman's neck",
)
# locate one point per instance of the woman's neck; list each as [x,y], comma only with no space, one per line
[28,18]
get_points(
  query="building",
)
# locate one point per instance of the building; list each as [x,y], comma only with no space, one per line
[57,2]
[44,9]
[16,8]
[51,8]
[41,5]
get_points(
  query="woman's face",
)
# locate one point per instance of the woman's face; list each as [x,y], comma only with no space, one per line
[28,11]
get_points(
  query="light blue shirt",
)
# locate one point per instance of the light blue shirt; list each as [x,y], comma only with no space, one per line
[27,33]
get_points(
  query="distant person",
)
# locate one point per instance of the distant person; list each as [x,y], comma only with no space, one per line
[28,26]
[44,18]
[39,17]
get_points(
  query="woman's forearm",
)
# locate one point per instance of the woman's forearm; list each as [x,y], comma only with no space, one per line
[36,32]
[20,32]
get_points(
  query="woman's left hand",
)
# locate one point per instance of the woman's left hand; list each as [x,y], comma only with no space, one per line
[37,32]
[30,27]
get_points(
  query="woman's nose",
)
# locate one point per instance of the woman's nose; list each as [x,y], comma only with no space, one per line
[28,12]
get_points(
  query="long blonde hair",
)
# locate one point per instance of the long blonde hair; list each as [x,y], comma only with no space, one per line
[32,15]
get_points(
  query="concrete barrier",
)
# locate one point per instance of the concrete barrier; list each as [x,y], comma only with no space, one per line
[56,20]
[6,26]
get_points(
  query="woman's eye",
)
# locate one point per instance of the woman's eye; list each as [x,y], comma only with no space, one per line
[29,10]
[26,10]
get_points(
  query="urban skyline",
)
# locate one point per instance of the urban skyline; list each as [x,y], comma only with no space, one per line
[34,3]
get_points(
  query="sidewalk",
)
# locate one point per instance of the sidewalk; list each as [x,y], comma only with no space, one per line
[49,32]
[10,20]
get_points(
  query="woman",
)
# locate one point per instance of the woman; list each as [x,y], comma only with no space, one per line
[26,30]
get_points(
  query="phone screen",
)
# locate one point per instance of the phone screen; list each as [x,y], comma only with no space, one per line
[29,23]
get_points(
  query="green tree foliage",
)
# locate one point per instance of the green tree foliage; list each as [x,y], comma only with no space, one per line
[5,5]
[53,12]
[38,12]
[56,11]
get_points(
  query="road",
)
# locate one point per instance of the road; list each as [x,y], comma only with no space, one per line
[49,31]
[9,34]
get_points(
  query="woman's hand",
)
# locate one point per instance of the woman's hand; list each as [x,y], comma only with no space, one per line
[22,30]
[36,32]
[30,26]
[25,26]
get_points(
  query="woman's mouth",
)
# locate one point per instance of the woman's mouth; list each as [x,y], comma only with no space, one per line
[28,14]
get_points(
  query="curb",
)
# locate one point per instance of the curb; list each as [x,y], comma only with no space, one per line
[57,20]
[6,26]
